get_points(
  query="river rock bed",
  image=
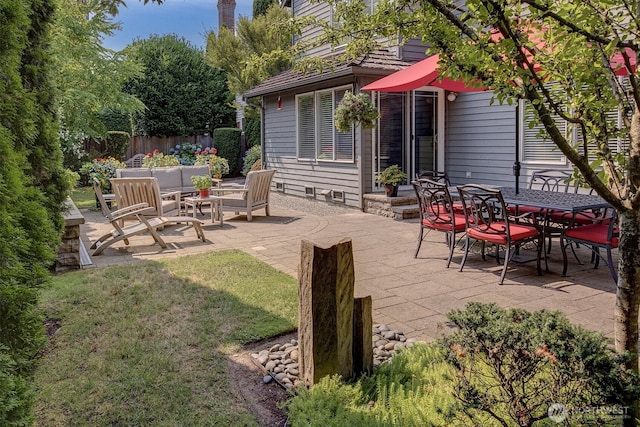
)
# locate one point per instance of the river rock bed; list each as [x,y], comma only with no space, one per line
[280,361]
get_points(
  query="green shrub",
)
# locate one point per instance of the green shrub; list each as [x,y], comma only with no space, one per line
[252,131]
[500,368]
[156,159]
[33,187]
[103,170]
[186,152]
[513,365]
[116,144]
[251,156]
[217,165]
[227,141]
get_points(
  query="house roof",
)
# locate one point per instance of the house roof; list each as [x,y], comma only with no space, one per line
[376,63]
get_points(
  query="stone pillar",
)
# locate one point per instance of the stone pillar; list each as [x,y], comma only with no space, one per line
[325,328]
[362,335]
[68,252]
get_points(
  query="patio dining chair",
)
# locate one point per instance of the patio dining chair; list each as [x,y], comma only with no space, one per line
[602,233]
[488,221]
[437,213]
[554,180]
[438,176]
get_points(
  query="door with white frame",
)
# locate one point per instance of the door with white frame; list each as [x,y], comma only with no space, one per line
[410,132]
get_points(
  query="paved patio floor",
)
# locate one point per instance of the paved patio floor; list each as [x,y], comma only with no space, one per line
[409,294]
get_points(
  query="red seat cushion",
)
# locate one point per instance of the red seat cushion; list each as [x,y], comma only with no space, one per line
[497,233]
[445,224]
[581,218]
[596,233]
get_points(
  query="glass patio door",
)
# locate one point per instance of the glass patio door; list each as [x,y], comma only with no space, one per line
[409,132]
[391,147]
[425,131]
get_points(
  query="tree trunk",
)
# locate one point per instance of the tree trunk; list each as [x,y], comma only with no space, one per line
[628,291]
[628,295]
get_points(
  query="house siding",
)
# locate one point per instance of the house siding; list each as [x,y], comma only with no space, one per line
[480,139]
[294,176]
[413,51]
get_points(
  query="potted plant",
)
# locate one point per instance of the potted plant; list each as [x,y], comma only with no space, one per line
[201,183]
[355,109]
[390,178]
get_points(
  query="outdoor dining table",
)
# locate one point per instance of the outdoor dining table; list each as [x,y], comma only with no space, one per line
[553,200]
[548,201]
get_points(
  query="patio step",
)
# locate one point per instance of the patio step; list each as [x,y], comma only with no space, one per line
[402,207]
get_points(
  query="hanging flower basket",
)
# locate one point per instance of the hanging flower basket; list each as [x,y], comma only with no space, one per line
[354,110]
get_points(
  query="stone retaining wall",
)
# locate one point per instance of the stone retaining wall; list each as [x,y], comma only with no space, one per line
[69,249]
[404,206]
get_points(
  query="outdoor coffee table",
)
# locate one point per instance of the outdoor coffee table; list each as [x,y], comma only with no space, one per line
[214,201]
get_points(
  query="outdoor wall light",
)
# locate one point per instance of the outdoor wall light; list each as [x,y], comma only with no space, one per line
[279,104]
[452,96]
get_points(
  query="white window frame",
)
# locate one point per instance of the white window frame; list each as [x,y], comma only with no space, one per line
[527,136]
[323,128]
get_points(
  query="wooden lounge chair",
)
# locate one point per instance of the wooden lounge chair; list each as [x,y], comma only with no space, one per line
[252,196]
[142,213]
[131,191]
[119,232]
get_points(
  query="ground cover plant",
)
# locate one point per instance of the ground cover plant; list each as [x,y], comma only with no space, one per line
[501,368]
[147,343]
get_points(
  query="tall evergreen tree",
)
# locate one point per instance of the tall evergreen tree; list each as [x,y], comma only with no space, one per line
[32,189]
[181,91]
[260,7]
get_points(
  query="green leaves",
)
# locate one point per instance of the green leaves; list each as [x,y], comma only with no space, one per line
[259,51]
[513,364]
[183,94]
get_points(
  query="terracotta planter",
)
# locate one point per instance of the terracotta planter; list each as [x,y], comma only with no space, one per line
[391,190]
[204,193]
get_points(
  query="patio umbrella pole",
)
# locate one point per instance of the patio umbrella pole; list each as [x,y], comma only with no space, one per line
[516,164]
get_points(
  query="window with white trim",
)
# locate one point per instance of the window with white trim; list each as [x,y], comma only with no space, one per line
[317,136]
[539,147]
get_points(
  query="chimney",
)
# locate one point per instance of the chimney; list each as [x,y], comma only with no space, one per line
[227,14]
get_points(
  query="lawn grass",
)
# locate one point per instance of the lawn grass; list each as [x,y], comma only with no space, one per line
[146,343]
[83,197]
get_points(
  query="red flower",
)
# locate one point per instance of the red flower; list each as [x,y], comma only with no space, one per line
[214,151]
[156,151]
[148,154]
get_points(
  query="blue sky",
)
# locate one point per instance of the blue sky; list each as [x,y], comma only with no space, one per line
[191,19]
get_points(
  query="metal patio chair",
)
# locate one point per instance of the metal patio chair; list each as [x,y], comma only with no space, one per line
[487,220]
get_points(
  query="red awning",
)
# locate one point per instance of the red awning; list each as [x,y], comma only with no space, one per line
[618,65]
[423,73]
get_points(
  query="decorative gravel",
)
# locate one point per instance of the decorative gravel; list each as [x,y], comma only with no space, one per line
[280,361]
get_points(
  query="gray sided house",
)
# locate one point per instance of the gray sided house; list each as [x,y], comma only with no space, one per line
[423,128]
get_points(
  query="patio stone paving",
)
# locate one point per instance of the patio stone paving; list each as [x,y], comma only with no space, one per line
[410,295]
